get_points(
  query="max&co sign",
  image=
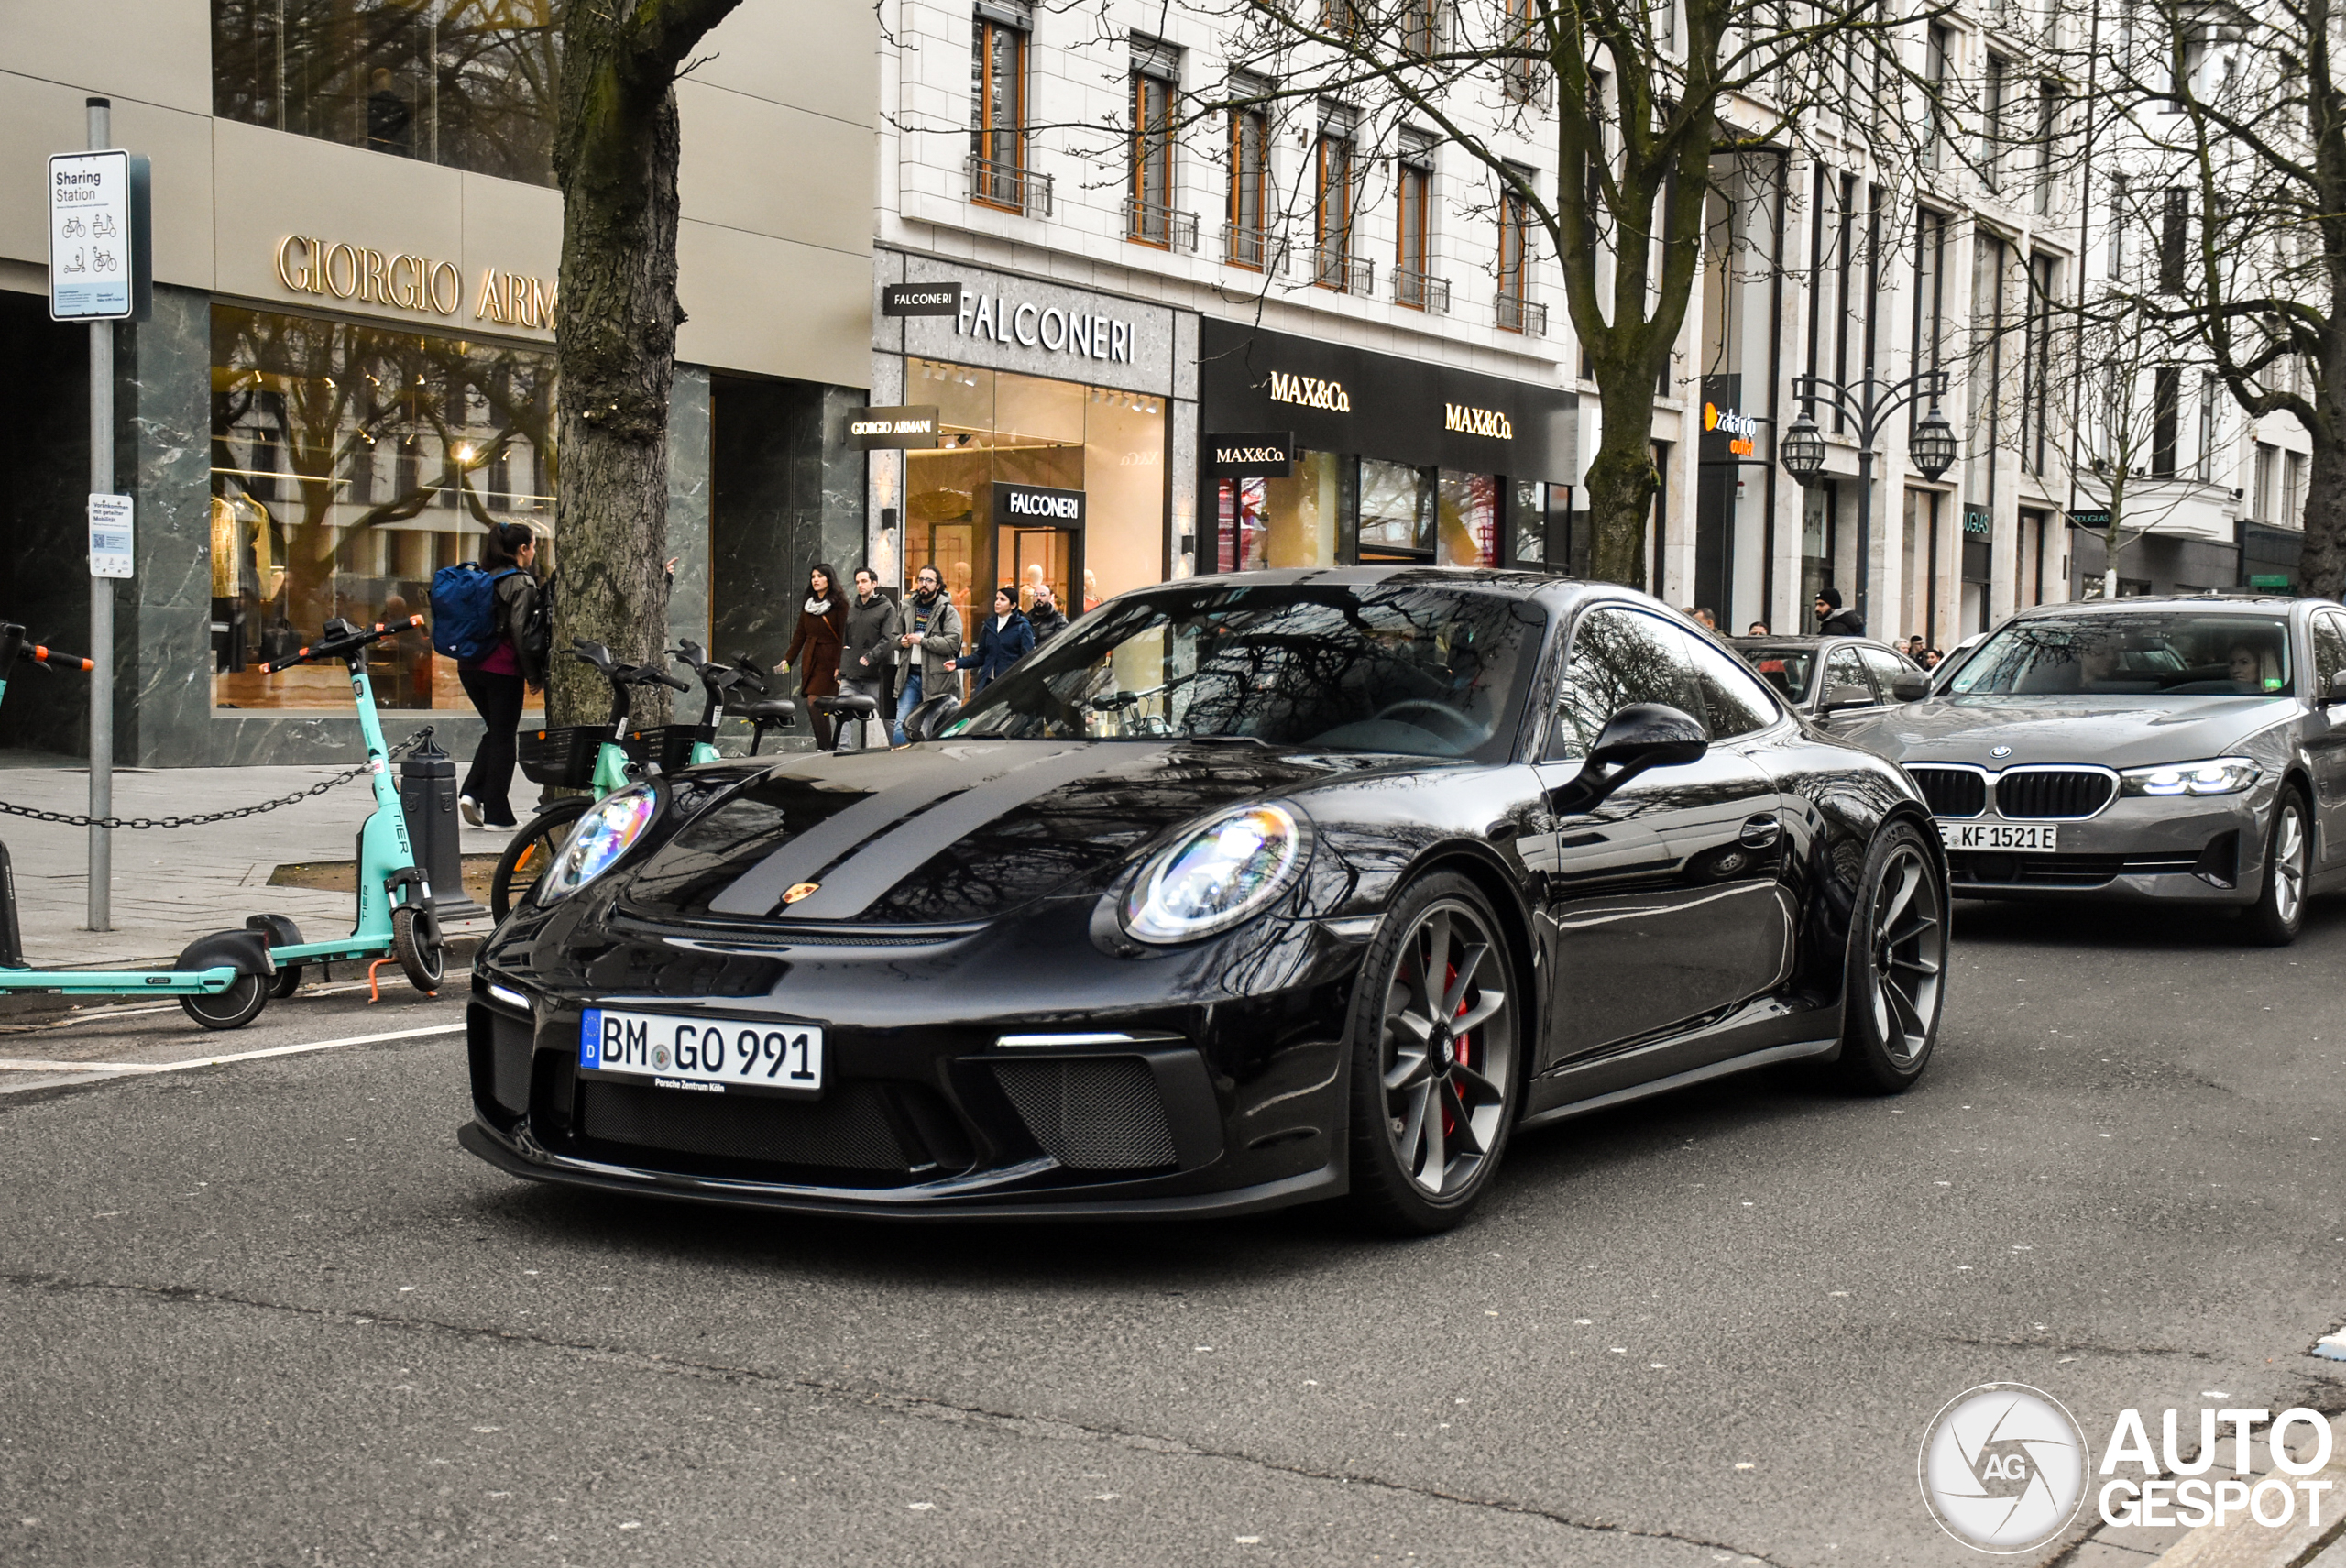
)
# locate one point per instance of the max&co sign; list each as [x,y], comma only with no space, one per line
[1251,454]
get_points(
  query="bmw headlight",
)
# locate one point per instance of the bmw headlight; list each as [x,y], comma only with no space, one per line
[1225,871]
[2219,775]
[609,828]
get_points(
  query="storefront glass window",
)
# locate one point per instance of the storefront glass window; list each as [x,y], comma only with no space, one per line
[1291,523]
[349,463]
[1469,534]
[999,426]
[1397,513]
[467,84]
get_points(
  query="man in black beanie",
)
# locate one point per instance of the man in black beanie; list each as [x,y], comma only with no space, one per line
[1832,621]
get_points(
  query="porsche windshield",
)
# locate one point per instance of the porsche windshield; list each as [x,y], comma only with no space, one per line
[2169,653]
[1430,671]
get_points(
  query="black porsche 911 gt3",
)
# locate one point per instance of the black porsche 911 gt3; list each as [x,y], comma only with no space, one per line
[1242,892]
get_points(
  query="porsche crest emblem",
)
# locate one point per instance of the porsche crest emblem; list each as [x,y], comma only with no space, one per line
[801,890]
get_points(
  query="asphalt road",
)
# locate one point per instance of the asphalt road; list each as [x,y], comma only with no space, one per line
[266,1311]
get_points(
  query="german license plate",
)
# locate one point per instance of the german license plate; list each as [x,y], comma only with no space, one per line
[2023,838]
[707,1056]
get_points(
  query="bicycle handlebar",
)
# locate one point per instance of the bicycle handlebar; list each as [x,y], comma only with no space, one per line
[340,639]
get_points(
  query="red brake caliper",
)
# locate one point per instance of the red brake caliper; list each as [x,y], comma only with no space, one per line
[1460,1046]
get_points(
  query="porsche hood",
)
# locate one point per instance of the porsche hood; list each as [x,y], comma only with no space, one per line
[948,832]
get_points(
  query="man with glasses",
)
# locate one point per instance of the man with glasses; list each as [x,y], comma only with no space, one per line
[932,625]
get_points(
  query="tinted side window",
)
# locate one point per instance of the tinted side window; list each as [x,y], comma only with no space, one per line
[2328,651]
[1887,667]
[1618,657]
[1846,669]
[1734,700]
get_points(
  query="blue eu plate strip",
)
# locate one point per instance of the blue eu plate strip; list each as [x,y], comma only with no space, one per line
[590,1038]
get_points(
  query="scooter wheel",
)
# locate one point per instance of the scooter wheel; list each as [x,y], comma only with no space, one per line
[423,959]
[288,981]
[233,1008]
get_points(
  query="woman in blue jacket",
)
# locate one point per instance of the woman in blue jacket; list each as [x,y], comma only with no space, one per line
[1003,638]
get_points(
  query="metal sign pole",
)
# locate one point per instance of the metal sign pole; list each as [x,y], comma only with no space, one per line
[100,595]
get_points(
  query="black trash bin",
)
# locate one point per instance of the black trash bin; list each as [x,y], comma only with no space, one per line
[428,797]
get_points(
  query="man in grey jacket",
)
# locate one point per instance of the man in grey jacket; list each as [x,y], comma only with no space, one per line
[931,624]
[867,651]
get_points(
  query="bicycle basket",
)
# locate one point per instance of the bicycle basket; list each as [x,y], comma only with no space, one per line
[562,759]
[670,745]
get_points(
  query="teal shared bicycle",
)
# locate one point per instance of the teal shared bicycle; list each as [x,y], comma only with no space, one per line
[603,758]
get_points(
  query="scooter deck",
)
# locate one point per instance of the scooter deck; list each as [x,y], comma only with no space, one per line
[347,948]
[120,983]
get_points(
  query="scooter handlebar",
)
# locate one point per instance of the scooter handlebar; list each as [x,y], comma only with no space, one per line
[334,647]
[38,654]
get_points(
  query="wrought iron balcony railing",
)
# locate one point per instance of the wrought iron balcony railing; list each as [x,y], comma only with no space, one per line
[1335,266]
[1516,314]
[999,184]
[1256,249]
[1421,291]
[1150,223]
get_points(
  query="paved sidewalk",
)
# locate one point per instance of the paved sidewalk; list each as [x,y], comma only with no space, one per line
[173,885]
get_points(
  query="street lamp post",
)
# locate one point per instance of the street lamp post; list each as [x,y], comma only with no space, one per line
[1867,403]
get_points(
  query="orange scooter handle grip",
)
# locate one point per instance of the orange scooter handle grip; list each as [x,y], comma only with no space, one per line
[52,658]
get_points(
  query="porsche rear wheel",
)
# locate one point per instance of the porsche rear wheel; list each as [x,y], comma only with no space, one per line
[532,851]
[1897,965]
[1437,1059]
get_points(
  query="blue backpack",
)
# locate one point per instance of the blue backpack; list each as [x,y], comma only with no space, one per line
[464,611]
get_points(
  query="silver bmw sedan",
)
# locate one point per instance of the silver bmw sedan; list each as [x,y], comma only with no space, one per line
[2176,750]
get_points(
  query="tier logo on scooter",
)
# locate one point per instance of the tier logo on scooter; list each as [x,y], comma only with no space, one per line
[2003,1467]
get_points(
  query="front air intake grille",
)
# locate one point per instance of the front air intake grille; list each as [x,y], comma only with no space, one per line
[1951,792]
[2053,795]
[848,1128]
[1096,1113]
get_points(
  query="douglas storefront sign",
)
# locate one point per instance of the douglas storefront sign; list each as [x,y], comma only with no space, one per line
[1338,399]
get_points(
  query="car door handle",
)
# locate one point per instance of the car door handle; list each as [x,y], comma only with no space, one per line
[1761,833]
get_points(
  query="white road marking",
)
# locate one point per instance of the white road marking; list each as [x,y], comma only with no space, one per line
[18,1064]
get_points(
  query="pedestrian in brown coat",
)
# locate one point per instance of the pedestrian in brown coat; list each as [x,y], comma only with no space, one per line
[814,648]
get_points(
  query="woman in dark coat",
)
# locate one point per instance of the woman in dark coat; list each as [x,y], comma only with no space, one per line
[814,648]
[1004,638]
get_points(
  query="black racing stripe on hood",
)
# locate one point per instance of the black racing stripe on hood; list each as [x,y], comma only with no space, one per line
[918,780]
[850,889]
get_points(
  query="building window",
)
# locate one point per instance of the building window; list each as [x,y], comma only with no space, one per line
[1995,94]
[1936,46]
[1517,312]
[1930,286]
[1334,192]
[998,114]
[2263,506]
[2175,239]
[1524,71]
[1413,217]
[310,418]
[2206,469]
[1149,215]
[1245,242]
[471,85]
[2118,227]
[2293,489]
[2049,113]
[2167,409]
[2036,411]
[1420,23]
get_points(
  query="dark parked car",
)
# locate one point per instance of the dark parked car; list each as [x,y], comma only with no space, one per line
[1240,892]
[1839,682]
[2179,750]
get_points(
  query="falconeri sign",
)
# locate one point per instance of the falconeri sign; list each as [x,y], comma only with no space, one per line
[1036,506]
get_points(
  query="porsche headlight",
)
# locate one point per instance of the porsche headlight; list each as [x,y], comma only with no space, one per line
[2221,775]
[1226,871]
[609,828]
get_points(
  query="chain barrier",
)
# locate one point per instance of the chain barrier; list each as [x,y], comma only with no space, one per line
[138,823]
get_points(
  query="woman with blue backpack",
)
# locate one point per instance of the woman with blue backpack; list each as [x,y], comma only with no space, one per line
[486,618]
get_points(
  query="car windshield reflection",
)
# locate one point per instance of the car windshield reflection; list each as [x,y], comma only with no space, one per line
[2151,655]
[1422,670]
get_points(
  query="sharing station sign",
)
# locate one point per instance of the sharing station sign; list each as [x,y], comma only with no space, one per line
[98,267]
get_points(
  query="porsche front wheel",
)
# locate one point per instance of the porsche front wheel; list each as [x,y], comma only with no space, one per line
[1897,964]
[1437,1059]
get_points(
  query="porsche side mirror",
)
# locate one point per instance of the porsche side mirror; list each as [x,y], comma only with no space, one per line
[1841,697]
[1910,685]
[1641,736]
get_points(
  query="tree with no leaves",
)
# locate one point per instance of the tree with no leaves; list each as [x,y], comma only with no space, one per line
[1634,101]
[616,147]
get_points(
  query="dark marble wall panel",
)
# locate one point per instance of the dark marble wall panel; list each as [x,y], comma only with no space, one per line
[163,369]
[689,499]
[789,493]
[44,576]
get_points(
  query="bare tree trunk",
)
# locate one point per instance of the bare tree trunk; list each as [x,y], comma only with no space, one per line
[615,157]
[2321,565]
[1622,482]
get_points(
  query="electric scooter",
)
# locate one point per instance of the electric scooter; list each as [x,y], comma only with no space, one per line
[222,980]
[395,919]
